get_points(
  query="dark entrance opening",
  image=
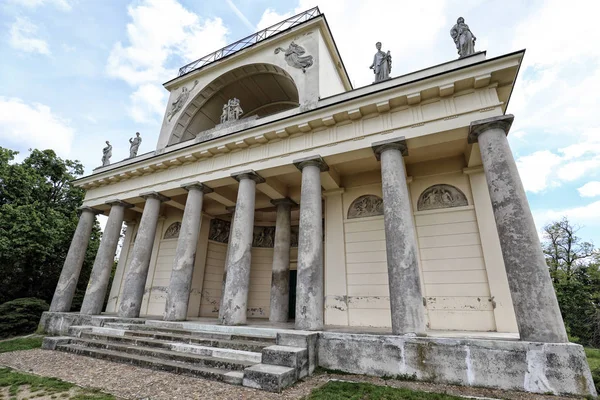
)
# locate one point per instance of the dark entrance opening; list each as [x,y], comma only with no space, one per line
[292,300]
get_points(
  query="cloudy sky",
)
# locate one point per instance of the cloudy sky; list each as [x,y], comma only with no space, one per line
[74,73]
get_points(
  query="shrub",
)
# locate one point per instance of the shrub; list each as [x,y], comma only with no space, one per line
[21,316]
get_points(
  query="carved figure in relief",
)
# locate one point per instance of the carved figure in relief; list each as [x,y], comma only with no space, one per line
[173,231]
[231,111]
[463,38]
[382,64]
[134,145]
[106,154]
[295,58]
[441,196]
[366,206]
[177,105]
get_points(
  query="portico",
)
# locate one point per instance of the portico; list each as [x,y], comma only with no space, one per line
[393,208]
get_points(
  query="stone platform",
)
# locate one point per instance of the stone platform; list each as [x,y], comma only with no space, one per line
[272,358]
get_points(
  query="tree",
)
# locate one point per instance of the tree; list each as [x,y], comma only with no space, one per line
[574,268]
[38,216]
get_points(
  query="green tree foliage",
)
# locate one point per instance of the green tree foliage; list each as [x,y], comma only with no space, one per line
[574,269]
[20,316]
[38,216]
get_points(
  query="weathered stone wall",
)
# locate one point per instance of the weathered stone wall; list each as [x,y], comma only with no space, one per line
[513,365]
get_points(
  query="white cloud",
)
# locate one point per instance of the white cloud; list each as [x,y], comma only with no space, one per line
[33,125]
[586,215]
[147,102]
[23,37]
[535,169]
[64,5]
[590,189]
[162,34]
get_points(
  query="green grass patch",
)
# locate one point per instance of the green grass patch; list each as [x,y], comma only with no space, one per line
[26,343]
[336,390]
[42,386]
[593,358]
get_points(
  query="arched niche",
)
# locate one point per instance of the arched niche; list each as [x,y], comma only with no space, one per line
[367,205]
[172,231]
[263,89]
[441,196]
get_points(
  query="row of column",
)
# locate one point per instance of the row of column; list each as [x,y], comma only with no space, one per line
[536,307]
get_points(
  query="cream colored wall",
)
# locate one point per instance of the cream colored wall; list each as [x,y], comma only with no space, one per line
[330,82]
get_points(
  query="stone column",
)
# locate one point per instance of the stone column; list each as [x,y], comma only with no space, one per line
[67,283]
[178,294]
[406,299]
[237,284]
[280,278]
[534,299]
[105,258]
[309,289]
[222,300]
[135,280]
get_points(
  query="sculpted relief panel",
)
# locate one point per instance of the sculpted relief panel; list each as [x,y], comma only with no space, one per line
[263,236]
[441,196]
[368,205]
[173,231]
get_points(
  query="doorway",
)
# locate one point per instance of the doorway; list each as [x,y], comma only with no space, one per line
[292,299]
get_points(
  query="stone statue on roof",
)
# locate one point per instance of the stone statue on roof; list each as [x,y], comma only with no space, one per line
[463,38]
[382,64]
[135,145]
[106,154]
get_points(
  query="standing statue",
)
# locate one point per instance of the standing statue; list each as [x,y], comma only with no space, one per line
[295,58]
[135,145]
[180,101]
[382,64]
[463,38]
[231,111]
[106,154]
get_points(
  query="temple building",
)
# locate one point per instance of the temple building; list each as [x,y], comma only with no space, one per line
[381,230]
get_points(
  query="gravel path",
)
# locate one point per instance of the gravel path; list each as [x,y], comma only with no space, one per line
[130,382]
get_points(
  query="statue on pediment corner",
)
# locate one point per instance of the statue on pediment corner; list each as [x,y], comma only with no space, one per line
[463,38]
[134,145]
[106,154]
[382,64]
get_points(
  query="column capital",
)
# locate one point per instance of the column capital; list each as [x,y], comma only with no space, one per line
[311,160]
[154,195]
[284,201]
[478,127]
[390,144]
[248,174]
[117,202]
[90,209]
[197,185]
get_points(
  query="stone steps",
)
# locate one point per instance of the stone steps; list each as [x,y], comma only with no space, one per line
[145,329]
[159,339]
[262,358]
[163,354]
[233,377]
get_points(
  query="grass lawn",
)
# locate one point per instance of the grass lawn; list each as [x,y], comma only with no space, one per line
[336,390]
[24,343]
[593,357]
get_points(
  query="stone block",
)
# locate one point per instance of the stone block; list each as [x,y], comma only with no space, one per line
[234,377]
[58,323]
[272,378]
[307,340]
[287,356]
[76,330]
[558,368]
[51,342]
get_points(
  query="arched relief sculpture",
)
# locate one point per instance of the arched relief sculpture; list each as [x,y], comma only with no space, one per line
[263,236]
[177,105]
[172,231]
[441,196]
[368,205]
[295,58]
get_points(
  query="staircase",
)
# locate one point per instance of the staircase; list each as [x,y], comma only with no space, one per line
[260,358]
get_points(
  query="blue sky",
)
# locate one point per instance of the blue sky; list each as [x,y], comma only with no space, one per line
[74,73]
